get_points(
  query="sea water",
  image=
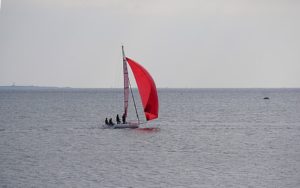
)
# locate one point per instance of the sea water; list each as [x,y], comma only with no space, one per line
[202,138]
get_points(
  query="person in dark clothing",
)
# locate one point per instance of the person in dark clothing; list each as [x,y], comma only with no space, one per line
[106,121]
[118,119]
[124,118]
[111,122]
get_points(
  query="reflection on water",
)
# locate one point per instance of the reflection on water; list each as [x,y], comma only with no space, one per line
[148,130]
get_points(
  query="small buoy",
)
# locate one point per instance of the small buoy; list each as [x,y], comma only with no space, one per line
[266,98]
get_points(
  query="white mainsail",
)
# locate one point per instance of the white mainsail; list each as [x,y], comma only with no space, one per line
[126,83]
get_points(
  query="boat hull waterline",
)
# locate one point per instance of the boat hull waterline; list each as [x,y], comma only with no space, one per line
[122,126]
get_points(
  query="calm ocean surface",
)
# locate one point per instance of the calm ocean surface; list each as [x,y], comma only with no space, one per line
[203,138]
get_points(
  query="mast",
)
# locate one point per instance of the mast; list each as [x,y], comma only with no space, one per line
[126,83]
[126,87]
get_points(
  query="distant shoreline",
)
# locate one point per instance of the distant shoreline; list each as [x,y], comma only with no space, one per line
[32,87]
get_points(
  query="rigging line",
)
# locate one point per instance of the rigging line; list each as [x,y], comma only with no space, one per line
[137,115]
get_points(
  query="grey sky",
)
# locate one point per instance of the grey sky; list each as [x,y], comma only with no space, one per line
[193,43]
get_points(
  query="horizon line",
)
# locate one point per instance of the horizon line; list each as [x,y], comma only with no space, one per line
[68,87]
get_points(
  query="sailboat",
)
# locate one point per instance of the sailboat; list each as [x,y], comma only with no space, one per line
[147,91]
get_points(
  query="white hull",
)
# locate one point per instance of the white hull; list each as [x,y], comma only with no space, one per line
[122,126]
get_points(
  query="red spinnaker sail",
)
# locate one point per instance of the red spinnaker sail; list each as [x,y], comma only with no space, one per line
[146,88]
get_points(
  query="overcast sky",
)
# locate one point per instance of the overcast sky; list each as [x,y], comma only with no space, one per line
[191,43]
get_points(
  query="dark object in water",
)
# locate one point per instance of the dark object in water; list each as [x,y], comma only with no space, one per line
[266,98]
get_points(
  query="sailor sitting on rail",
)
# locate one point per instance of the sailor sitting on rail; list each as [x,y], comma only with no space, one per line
[118,119]
[111,122]
[124,118]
